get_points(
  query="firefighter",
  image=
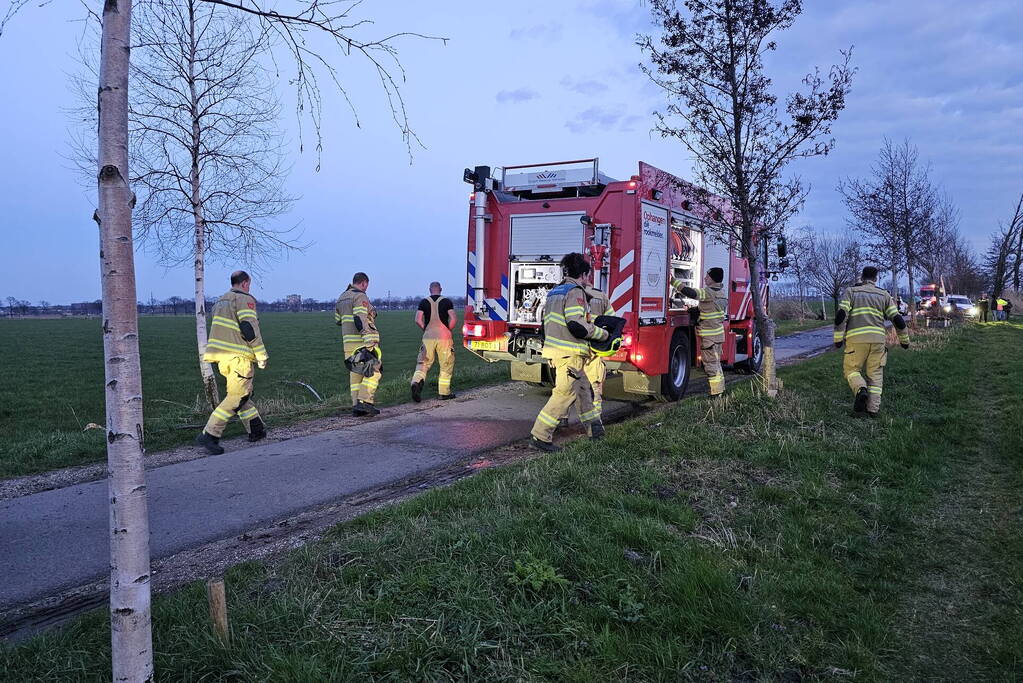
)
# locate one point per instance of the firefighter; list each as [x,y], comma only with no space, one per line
[236,346]
[357,318]
[982,308]
[859,324]
[597,305]
[711,328]
[566,335]
[436,317]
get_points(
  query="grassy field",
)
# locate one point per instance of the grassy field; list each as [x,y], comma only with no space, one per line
[753,540]
[53,381]
[793,325]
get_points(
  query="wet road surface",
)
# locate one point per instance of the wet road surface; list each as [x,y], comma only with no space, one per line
[56,540]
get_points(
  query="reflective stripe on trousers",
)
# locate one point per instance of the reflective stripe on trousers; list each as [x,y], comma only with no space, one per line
[442,350]
[570,387]
[863,366]
[239,373]
[363,388]
[710,353]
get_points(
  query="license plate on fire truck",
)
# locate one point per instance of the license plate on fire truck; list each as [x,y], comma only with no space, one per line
[481,345]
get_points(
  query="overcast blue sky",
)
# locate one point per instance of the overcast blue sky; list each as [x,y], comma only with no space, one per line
[519,83]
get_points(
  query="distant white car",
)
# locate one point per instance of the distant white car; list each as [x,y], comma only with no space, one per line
[960,304]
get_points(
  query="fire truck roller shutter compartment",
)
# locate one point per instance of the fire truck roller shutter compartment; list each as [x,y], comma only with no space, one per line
[653,285]
[538,242]
[686,253]
[716,254]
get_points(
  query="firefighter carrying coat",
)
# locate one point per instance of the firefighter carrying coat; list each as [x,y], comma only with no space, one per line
[356,317]
[859,324]
[236,346]
[711,329]
[566,334]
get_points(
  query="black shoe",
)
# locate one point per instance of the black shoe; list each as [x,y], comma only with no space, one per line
[446,397]
[871,415]
[596,430]
[860,404]
[544,445]
[417,391]
[363,409]
[257,430]
[210,443]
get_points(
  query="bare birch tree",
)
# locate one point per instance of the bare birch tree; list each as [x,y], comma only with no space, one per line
[130,622]
[206,157]
[709,61]
[208,162]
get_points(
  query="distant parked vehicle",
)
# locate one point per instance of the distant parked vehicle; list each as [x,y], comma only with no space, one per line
[957,303]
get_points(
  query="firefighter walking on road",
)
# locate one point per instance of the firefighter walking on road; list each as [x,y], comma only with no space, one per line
[567,334]
[236,346]
[711,328]
[436,317]
[357,318]
[859,324]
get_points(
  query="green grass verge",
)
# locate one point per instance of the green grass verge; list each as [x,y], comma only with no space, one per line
[53,381]
[753,540]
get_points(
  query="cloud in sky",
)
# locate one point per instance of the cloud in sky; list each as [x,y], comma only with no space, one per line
[583,87]
[545,32]
[517,95]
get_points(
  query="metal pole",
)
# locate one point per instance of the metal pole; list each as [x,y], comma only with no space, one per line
[480,202]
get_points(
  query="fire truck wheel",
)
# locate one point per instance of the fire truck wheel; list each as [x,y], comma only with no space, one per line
[751,366]
[680,358]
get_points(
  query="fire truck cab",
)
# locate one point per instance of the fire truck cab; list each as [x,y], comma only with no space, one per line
[638,234]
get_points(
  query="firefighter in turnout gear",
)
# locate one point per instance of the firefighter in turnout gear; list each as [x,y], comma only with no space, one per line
[236,346]
[711,328]
[598,304]
[859,324]
[357,319]
[567,333]
[436,317]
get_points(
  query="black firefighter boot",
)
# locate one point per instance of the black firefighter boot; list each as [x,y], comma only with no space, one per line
[363,409]
[596,430]
[210,443]
[860,404]
[257,430]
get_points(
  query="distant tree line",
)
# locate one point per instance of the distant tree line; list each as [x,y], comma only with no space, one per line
[176,305]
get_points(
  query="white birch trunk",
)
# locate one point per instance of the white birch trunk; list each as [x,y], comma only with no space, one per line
[131,630]
[209,383]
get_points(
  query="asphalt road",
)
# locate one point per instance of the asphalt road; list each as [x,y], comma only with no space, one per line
[56,540]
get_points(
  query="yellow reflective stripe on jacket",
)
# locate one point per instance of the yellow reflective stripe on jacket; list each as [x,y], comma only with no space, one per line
[227,346]
[224,322]
[571,311]
[566,345]
[868,329]
[844,305]
[246,313]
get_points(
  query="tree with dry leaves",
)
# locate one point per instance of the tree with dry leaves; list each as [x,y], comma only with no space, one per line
[709,61]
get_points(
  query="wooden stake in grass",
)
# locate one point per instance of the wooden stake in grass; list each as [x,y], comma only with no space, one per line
[216,596]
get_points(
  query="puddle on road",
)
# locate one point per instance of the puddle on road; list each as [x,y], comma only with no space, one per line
[461,434]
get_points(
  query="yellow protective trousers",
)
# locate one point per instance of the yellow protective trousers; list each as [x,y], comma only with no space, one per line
[363,388]
[863,366]
[239,373]
[710,353]
[570,387]
[596,372]
[442,350]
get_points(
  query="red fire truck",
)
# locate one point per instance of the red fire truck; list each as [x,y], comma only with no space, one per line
[638,233]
